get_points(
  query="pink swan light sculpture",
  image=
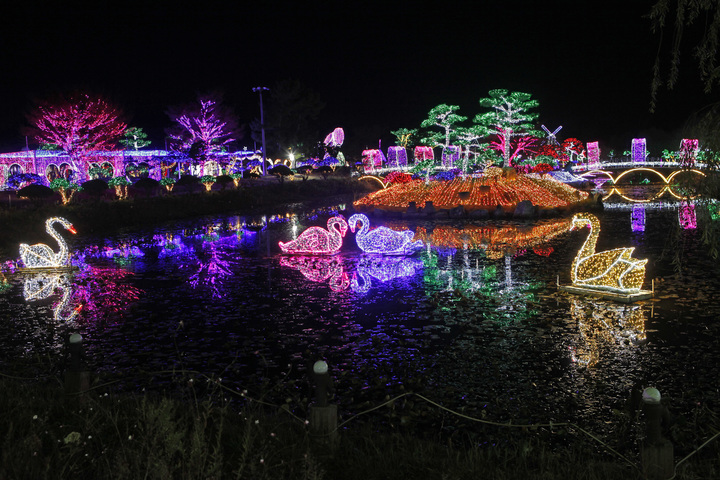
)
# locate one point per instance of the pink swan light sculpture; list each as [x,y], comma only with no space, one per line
[317,240]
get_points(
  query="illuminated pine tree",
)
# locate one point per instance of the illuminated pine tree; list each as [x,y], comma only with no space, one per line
[405,136]
[78,124]
[442,116]
[467,137]
[508,118]
[134,139]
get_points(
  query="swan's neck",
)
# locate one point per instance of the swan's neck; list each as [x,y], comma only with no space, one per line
[334,228]
[587,249]
[363,227]
[61,255]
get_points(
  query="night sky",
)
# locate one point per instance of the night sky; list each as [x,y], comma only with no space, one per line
[378,68]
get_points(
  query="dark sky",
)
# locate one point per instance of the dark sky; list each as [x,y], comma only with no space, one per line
[378,66]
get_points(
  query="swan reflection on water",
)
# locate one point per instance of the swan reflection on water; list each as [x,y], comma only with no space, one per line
[320,269]
[382,269]
[605,326]
[42,286]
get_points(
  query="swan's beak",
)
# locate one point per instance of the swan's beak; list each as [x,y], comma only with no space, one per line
[72,230]
[352,227]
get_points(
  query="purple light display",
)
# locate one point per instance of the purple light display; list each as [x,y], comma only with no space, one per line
[593,149]
[397,157]
[688,151]
[638,218]
[382,240]
[423,153]
[335,138]
[373,159]
[686,216]
[450,156]
[639,150]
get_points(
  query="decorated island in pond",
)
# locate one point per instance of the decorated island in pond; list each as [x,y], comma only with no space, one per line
[496,192]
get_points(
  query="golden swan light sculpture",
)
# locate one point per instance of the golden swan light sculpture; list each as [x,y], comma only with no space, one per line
[612,270]
[41,255]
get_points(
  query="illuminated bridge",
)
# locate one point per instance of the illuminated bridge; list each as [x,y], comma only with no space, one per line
[665,174]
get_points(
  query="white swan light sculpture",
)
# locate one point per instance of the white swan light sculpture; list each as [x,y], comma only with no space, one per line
[41,255]
[612,270]
[317,240]
[382,239]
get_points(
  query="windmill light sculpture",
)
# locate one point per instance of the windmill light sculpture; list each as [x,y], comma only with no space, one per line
[41,255]
[612,270]
[551,136]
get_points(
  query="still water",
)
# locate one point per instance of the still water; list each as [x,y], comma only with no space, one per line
[473,321]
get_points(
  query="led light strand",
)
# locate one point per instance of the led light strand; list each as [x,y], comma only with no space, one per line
[320,269]
[639,150]
[382,239]
[41,255]
[317,240]
[613,270]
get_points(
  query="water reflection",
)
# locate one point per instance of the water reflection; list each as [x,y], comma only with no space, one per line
[605,326]
[320,269]
[42,286]
[373,269]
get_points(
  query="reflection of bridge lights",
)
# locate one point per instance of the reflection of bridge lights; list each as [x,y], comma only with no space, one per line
[638,218]
[687,216]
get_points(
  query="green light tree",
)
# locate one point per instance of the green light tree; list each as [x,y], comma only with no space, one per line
[134,139]
[508,118]
[67,189]
[404,136]
[442,116]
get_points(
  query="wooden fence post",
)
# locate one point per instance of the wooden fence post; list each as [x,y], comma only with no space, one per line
[77,376]
[656,451]
[323,415]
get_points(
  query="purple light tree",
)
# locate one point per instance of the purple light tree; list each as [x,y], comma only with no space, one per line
[203,127]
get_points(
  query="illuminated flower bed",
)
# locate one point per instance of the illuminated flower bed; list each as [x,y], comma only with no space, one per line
[486,192]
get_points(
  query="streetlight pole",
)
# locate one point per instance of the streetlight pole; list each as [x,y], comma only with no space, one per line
[259,91]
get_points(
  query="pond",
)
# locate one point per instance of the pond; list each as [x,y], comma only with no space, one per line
[473,321]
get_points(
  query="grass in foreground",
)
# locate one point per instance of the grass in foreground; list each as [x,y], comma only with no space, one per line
[45,434]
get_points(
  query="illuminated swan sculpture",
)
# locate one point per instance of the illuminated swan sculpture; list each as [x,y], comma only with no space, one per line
[317,240]
[609,270]
[382,239]
[41,255]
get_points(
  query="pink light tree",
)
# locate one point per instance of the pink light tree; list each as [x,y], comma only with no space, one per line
[78,123]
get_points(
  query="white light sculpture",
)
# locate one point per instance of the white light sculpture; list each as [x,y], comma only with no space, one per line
[41,255]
